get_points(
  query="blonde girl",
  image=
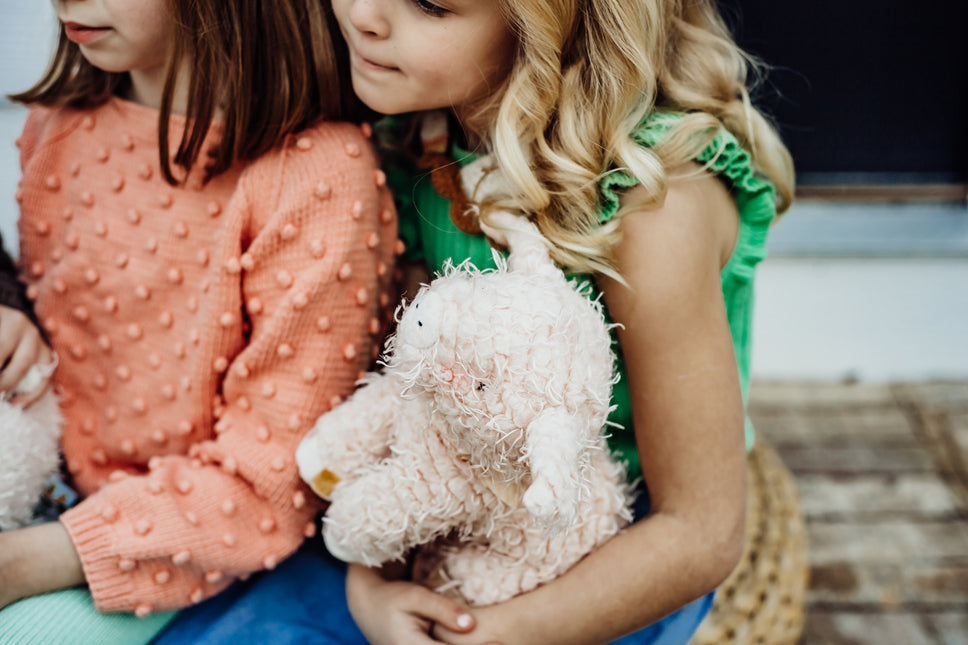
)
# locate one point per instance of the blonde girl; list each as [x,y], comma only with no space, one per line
[625,130]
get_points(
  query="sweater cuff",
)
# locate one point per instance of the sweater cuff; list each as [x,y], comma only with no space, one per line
[119,583]
[109,586]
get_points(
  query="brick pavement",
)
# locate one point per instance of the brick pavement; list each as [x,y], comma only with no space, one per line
[882,472]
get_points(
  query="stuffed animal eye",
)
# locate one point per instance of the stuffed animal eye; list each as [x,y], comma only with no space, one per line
[481,386]
[420,326]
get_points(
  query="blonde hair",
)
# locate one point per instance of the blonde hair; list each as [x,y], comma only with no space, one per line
[586,74]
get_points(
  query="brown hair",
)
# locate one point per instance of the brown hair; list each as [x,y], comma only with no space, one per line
[271,65]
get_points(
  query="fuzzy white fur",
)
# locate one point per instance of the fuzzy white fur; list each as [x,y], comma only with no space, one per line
[30,453]
[483,441]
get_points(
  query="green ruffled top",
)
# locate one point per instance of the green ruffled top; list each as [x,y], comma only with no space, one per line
[429,234]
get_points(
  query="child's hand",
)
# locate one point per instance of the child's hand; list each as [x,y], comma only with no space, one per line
[396,612]
[21,347]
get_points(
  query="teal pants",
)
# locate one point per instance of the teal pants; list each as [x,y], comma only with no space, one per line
[68,617]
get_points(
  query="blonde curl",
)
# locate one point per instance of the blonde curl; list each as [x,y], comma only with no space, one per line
[586,73]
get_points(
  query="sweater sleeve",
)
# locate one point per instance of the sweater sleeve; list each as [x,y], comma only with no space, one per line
[310,276]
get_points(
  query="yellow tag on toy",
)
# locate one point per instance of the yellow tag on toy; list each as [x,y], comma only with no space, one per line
[508,492]
[324,482]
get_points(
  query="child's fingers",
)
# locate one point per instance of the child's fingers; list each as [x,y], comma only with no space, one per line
[25,399]
[20,361]
[441,610]
[30,352]
[37,380]
[10,336]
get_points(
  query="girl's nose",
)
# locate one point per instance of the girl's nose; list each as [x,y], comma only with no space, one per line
[370,17]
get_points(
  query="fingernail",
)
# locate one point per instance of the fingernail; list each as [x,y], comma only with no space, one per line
[464,621]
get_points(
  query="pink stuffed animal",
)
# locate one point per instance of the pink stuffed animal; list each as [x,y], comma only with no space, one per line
[482,442]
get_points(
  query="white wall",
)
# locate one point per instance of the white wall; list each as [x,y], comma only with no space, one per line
[875,319]
[27,32]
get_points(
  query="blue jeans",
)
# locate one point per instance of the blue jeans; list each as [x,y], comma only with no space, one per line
[303,602]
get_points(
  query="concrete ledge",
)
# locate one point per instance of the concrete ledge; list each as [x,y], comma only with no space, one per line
[815,229]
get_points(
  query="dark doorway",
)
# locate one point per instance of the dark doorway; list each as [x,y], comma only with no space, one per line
[866,93]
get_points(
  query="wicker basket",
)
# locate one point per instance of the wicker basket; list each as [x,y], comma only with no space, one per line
[762,601]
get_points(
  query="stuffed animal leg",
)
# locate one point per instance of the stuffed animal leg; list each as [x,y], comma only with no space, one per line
[30,454]
[351,436]
[420,494]
[518,555]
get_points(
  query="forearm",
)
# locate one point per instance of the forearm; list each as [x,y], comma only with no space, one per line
[653,568]
[37,560]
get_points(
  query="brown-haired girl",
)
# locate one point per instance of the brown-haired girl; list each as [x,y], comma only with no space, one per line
[207,250]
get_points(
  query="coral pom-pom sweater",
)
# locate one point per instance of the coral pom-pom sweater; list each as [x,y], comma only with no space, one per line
[201,329]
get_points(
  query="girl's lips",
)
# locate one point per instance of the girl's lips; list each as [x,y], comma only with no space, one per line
[369,64]
[83,34]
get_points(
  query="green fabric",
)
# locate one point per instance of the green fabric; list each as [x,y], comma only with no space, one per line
[69,617]
[429,234]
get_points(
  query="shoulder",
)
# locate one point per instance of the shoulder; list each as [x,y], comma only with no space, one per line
[45,125]
[327,152]
[723,155]
[697,222]
[324,176]
[328,143]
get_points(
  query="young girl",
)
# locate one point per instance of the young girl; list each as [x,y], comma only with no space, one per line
[625,131]
[208,257]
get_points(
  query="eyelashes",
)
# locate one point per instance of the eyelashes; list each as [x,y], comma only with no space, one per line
[430,8]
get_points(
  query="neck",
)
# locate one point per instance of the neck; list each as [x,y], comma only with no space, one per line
[148,86]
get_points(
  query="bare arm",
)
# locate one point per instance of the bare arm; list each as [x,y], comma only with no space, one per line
[37,560]
[689,428]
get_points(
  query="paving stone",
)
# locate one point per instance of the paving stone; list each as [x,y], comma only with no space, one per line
[950,628]
[957,426]
[917,496]
[888,542]
[857,459]
[846,628]
[882,472]
[889,586]
[818,394]
[933,396]
[830,426]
